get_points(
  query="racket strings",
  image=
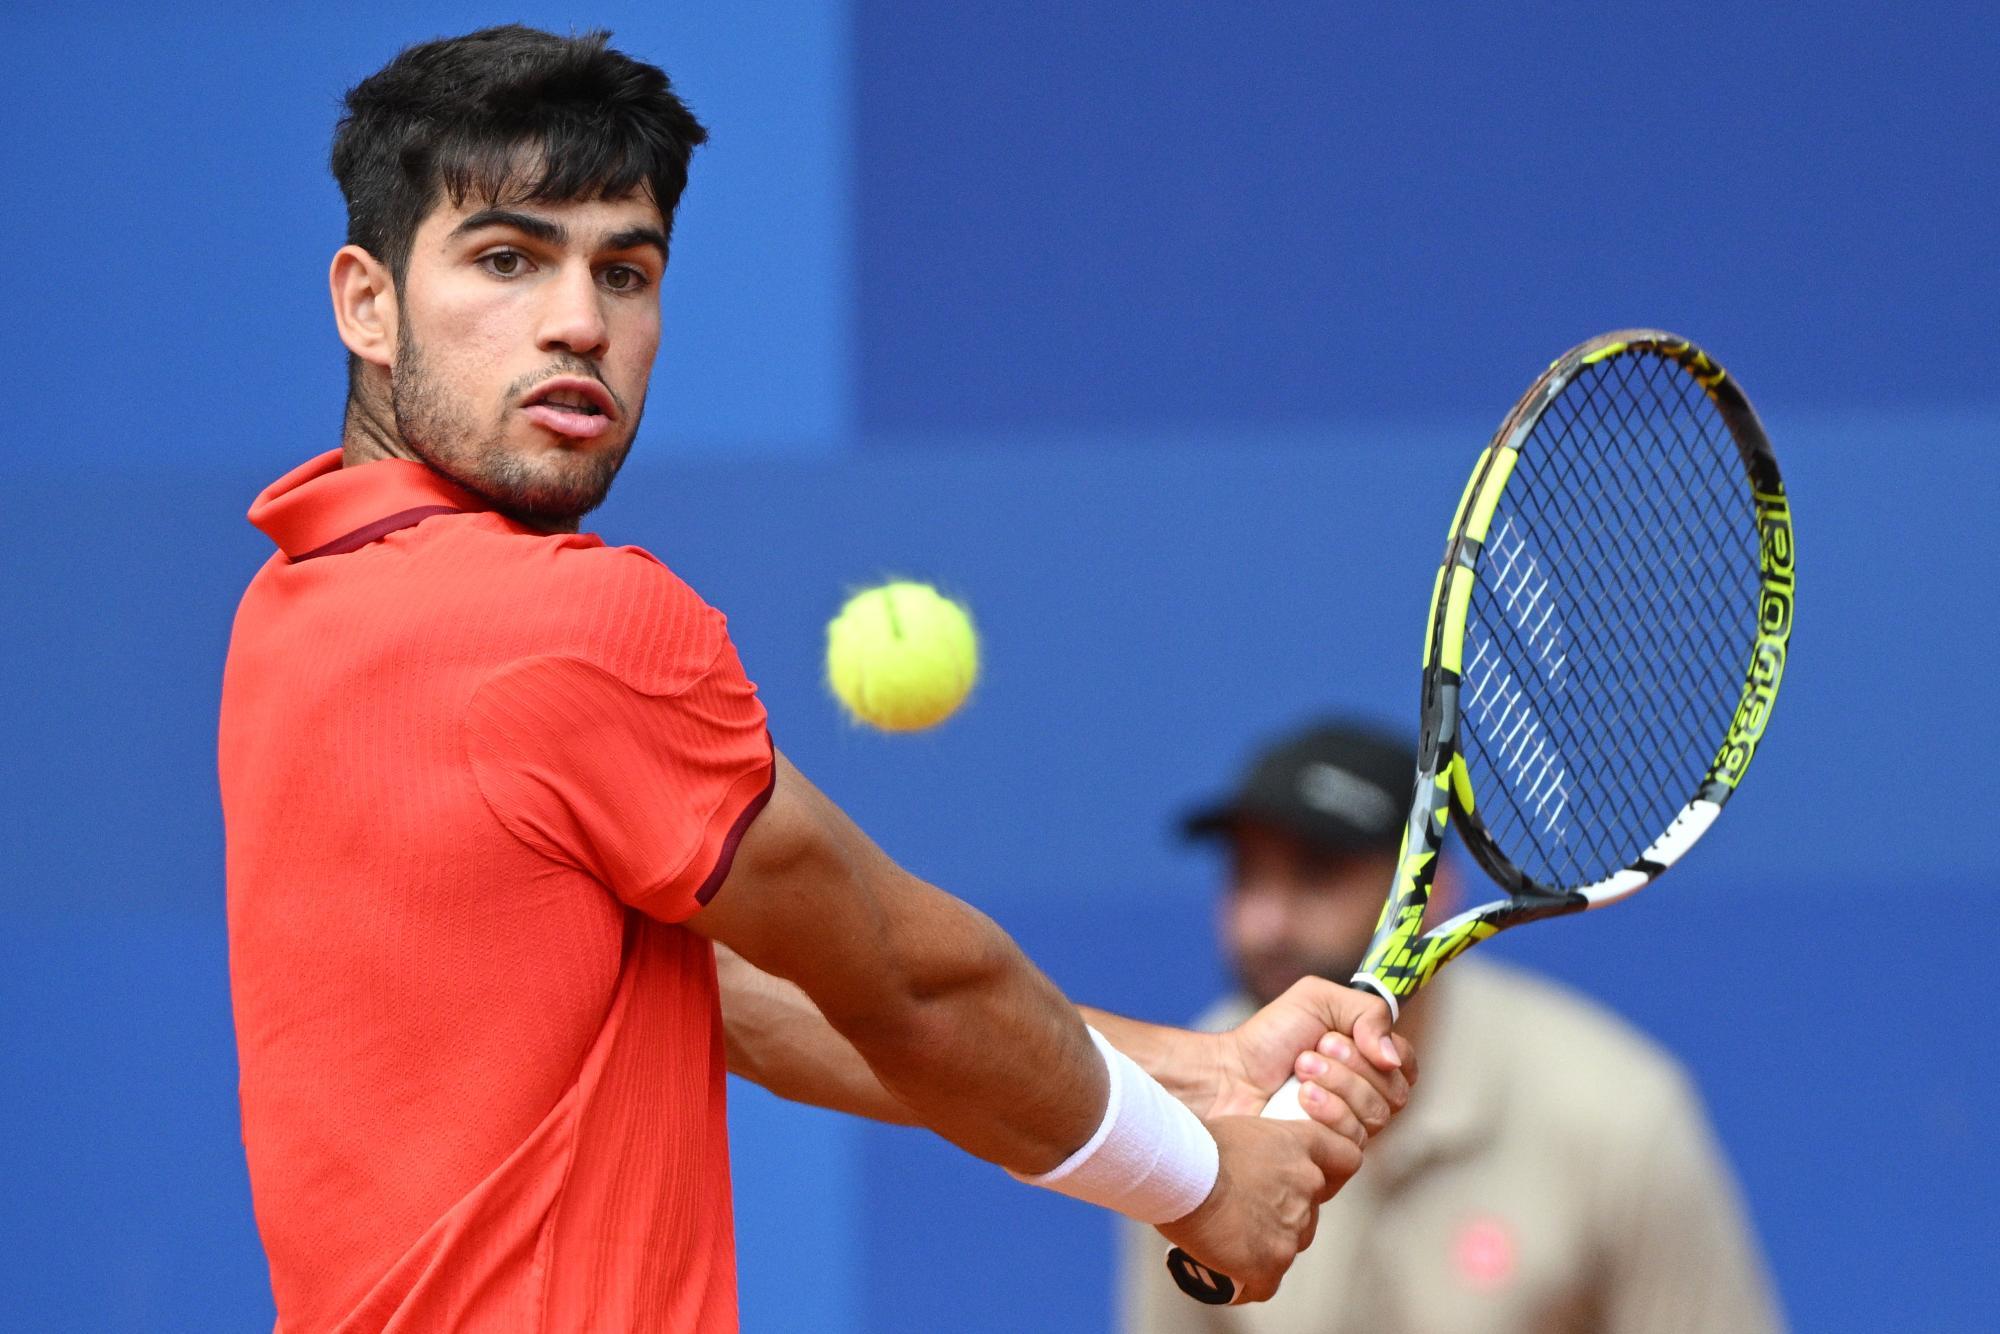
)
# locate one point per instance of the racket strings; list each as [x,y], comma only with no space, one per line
[1611,621]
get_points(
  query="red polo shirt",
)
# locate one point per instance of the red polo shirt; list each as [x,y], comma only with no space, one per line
[472,774]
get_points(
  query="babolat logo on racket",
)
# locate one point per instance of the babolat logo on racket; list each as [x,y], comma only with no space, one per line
[1200,1282]
[1767,654]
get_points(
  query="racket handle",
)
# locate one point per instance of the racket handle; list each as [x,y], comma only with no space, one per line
[1193,1277]
[1284,1104]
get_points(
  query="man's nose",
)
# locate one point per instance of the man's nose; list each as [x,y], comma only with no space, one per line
[573,319]
[1262,914]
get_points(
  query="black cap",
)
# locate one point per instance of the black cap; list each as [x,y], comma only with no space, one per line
[1340,785]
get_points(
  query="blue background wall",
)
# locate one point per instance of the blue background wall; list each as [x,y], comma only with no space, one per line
[1161,333]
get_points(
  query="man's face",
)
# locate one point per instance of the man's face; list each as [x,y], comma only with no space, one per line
[525,340]
[1292,908]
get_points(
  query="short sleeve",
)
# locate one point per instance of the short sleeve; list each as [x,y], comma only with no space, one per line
[646,786]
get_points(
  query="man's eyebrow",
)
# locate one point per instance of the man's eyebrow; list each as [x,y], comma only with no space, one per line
[551,233]
[555,234]
[633,237]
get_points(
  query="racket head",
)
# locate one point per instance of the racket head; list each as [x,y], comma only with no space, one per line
[1607,633]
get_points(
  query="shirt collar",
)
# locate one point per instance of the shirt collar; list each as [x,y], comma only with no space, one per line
[322,509]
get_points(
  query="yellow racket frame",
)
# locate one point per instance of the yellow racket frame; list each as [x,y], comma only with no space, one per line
[1403,956]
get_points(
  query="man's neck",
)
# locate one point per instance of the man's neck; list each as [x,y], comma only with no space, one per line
[368,434]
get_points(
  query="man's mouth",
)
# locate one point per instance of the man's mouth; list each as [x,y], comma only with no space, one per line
[578,408]
[573,403]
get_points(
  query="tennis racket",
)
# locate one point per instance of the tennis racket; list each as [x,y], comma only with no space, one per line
[1606,637]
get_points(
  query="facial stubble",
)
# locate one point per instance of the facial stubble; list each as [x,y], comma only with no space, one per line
[549,489]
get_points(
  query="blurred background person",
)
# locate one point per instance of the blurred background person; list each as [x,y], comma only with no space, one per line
[1555,1172]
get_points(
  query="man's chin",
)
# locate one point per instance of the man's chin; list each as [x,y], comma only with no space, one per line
[551,497]
[564,500]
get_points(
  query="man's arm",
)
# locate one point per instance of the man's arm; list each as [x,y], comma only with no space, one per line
[777,1038]
[976,1043]
[944,1009]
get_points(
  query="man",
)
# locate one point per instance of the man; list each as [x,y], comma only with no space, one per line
[496,793]
[1555,1173]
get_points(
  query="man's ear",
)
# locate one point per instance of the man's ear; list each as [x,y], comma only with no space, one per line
[364,304]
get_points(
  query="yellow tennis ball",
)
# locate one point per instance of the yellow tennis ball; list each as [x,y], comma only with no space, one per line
[901,657]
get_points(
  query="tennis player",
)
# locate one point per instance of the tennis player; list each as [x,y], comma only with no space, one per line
[496,792]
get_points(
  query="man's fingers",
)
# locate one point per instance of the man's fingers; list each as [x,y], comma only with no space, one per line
[1371,1034]
[1393,1085]
[1257,1290]
[1340,1084]
[1361,1014]
[1331,1111]
[1409,1055]
[1336,1157]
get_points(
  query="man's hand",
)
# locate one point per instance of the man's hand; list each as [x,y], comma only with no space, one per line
[1265,1205]
[1355,1074]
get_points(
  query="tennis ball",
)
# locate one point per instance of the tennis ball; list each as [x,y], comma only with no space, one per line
[901,657]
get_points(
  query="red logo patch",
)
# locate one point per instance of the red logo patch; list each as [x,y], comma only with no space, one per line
[1484,1252]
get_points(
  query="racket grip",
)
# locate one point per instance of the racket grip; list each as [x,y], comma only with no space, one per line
[1193,1277]
[1284,1104]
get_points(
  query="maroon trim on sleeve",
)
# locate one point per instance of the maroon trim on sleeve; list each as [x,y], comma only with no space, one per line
[727,855]
[376,531]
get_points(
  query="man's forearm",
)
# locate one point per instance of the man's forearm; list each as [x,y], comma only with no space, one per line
[949,1015]
[777,1038]
[1186,1064]
[969,1027]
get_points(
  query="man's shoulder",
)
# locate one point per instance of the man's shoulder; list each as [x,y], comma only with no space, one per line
[580,563]
[573,596]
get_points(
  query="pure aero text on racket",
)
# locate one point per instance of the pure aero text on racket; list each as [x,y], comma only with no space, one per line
[1605,641]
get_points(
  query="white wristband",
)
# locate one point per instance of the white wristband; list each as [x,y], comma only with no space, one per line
[1151,1159]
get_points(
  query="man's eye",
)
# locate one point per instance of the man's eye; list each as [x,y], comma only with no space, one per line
[624,278]
[503,263]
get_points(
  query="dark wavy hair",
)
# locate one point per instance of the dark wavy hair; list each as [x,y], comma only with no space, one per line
[510,114]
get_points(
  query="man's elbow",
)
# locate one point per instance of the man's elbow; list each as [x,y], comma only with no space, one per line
[929,982]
